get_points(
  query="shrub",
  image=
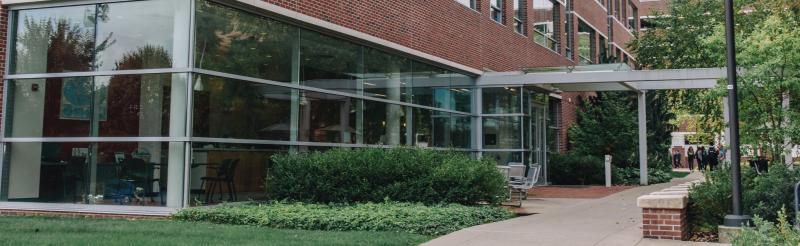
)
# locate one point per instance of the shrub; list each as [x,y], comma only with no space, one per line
[766,233]
[574,169]
[763,195]
[386,216]
[397,174]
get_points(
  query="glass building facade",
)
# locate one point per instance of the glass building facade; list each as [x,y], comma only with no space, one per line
[179,102]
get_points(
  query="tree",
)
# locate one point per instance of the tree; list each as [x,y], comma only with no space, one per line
[692,36]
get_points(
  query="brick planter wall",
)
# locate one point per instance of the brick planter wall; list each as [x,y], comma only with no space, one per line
[664,213]
[664,223]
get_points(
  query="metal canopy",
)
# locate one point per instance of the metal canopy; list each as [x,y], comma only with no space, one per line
[610,77]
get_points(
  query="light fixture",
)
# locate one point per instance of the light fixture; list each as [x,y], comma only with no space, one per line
[198,84]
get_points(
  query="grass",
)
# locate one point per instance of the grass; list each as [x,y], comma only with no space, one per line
[675,174]
[78,231]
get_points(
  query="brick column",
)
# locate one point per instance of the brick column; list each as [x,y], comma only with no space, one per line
[664,213]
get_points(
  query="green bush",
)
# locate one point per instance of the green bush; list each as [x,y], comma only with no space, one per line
[763,195]
[574,169]
[386,216]
[397,174]
[766,233]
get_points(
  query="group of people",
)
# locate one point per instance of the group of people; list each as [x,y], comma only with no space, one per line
[704,157]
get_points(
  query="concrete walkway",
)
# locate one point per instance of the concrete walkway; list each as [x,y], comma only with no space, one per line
[612,220]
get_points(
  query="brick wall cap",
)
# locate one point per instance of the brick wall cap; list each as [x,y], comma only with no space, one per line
[663,201]
[677,192]
[676,189]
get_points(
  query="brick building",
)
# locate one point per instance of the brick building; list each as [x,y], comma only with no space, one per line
[173,86]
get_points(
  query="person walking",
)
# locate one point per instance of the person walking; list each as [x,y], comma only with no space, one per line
[676,159]
[700,154]
[690,158]
[713,157]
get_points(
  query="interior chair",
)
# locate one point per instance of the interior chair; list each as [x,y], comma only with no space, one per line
[224,174]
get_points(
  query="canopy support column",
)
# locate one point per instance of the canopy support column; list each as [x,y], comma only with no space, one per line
[642,105]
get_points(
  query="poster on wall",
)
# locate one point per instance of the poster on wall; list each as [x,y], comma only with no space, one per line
[76,99]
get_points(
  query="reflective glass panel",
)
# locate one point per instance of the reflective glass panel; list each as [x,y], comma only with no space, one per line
[233,41]
[501,100]
[461,131]
[327,118]
[55,107]
[384,123]
[425,80]
[502,133]
[143,34]
[245,165]
[385,75]
[329,63]
[53,40]
[137,105]
[227,108]
[422,127]
[119,173]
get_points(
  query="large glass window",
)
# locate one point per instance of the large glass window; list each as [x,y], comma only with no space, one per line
[233,41]
[544,14]
[501,100]
[142,34]
[425,80]
[104,106]
[243,168]
[502,133]
[112,36]
[327,118]
[54,40]
[385,75]
[461,131]
[227,108]
[384,123]
[118,173]
[329,63]
[422,129]
[496,8]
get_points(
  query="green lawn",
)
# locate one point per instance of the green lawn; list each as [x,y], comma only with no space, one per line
[70,231]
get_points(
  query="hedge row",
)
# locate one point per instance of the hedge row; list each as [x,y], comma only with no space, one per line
[375,175]
[387,216]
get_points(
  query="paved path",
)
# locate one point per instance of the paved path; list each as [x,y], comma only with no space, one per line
[612,220]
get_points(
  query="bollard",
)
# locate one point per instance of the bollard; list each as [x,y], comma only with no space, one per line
[608,170]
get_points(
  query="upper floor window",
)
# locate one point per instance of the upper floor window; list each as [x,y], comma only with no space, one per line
[496,8]
[468,3]
[544,26]
[586,45]
[519,15]
[632,17]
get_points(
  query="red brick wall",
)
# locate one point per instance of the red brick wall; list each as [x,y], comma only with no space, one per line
[442,28]
[665,223]
[621,34]
[594,15]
